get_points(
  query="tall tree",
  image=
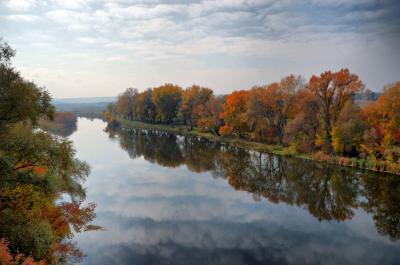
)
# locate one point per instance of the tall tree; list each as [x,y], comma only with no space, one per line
[145,108]
[234,114]
[333,90]
[289,88]
[348,131]
[269,108]
[383,116]
[193,97]
[20,100]
[35,169]
[166,99]
[208,114]
[125,105]
[301,130]
[6,53]
[260,113]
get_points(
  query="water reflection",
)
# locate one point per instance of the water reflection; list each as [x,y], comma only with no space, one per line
[383,202]
[67,130]
[64,124]
[166,199]
[327,192]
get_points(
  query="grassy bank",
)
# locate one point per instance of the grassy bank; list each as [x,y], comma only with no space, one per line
[183,130]
[369,164]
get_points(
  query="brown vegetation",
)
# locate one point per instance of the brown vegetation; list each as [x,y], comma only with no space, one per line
[316,117]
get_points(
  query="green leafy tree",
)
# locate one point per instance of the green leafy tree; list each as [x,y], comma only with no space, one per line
[125,105]
[20,100]
[166,99]
[145,108]
[36,168]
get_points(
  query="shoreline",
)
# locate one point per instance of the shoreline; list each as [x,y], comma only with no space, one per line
[266,148]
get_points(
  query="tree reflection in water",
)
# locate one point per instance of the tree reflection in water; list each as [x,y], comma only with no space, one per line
[326,191]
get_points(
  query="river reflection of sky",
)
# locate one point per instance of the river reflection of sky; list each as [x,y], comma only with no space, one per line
[158,215]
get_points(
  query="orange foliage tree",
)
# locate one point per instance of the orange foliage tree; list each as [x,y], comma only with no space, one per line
[333,90]
[234,114]
[269,108]
[301,130]
[322,115]
[7,258]
[383,116]
[208,115]
[194,97]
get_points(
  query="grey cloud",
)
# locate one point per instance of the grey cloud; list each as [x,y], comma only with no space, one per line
[145,241]
[188,33]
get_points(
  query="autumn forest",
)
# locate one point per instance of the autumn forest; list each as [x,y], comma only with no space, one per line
[319,118]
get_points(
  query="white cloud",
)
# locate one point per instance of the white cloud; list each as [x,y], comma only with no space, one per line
[72,4]
[78,27]
[63,16]
[142,11]
[89,40]
[120,58]
[22,18]
[20,5]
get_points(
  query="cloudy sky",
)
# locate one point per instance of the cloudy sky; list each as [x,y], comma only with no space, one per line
[78,48]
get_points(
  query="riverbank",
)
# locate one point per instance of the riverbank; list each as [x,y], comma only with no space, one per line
[368,164]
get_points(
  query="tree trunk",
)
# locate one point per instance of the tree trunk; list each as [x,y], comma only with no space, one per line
[328,136]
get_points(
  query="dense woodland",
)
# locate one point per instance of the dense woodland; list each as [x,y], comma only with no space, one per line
[37,170]
[318,117]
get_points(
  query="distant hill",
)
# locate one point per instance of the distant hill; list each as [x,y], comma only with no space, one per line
[362,98]
[367,95]
[84,100]
[83,107]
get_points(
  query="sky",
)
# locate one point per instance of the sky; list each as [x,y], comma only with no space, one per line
[84,48]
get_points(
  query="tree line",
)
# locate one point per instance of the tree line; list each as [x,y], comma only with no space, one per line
[37,171]
[319,116]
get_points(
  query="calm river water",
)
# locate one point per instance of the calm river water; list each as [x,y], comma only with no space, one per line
[166,199]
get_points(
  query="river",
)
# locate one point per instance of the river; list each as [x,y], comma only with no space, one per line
[167,199]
